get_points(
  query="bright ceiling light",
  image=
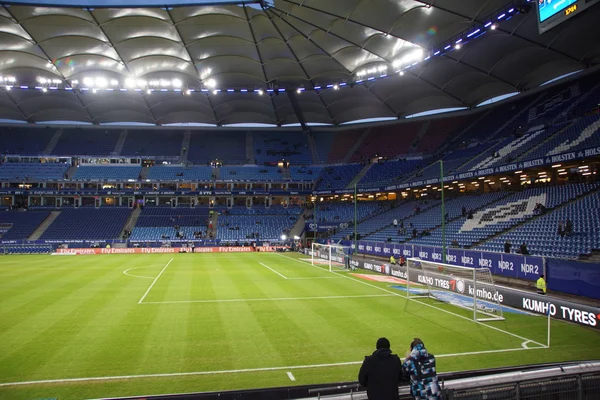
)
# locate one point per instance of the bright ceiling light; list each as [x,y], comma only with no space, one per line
[44,90]
[130,83]
[401,73]
[211,83]
[8,87]
[260,92]
[149,91]
[336,87]
[141,83]
[165,83]
[114,82]
[457,46]
[88,81]
[188,92]
[215,91]
[41,80]
[493,27]
[176,83]
[101,82]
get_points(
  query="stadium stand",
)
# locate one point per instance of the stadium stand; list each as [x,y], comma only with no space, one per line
[250,173]
[343,212]
[179,173]
[341,144]
[228,147]
[107,172]
[151,142]
[579,135]
[541,233]
[32,171]
[390,172]
[310,173]
[273,147]
[262,224]
[388,141]
[20,224]
[87,224]
[82,141]
[157,223]
[25,140]
[337,176]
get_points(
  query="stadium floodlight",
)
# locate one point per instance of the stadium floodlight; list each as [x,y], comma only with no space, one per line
[336,87]
[176,83]
[296,237]
[283,237]
[114,82]
[130,83]
[44,90]
[211,83]
[457,46]
[260,92]
[8,87]
[493,27]
[87,81]
[149,91]
[101,82]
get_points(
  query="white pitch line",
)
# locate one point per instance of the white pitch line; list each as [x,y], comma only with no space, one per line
[154,281]
[266,266]
[137,276]
[291,376]
[430,305]
[235,371]
[266,299]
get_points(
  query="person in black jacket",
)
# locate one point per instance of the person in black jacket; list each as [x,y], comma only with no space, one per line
[380,373]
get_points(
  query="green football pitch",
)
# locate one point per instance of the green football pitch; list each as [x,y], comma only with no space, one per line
[123,325]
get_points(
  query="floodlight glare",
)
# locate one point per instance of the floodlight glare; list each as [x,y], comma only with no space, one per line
[176,83]
[296,237]
[211,83]
[283,237]
[101,82]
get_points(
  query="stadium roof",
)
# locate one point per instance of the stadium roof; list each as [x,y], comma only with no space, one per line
[167,65]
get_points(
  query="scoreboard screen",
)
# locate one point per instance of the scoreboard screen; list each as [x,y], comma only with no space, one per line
[553,12]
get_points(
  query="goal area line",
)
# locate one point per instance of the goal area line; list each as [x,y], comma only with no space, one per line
[237,371]
[395,293]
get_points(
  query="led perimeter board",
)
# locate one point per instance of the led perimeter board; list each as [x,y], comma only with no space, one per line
[551,13]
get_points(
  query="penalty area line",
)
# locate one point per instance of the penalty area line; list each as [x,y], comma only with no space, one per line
[432,306]
[236,371]
[266,299]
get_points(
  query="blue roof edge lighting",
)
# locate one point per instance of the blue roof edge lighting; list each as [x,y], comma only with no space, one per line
[129,3]
[497,99]
[438,111]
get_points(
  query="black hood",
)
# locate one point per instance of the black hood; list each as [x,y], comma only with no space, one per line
[383,353]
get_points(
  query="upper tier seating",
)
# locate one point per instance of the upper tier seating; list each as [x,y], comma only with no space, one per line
[152,142]
[338,176]
[579,135]
[388,141]
[555,100]
[32,171]
[541,234]
[440,130]
[21,224]
[179,173]
[86,141]
[250,173]
[226,146]
[273,147]
[390,172]
[87,224]
[25,140]
[310,173]
[341,144]
[107,172]
[258,210]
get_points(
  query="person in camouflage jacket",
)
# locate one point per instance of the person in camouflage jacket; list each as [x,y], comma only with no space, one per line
[419,367]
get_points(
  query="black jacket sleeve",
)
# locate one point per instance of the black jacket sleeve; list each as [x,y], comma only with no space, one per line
[363,374]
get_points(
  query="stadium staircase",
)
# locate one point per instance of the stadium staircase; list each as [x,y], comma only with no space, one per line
[508,123]
[356,146]
[312,146]
[185,146]
[299,225]
[131,221]
[421,134]
[359,176]
[52,143]
[35,235]
[144,173]
[285,174]
[532,218]
[70,172]
[249,148]
[120,143]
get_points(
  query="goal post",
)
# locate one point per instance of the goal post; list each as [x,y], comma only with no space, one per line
[472,289]
[331,256]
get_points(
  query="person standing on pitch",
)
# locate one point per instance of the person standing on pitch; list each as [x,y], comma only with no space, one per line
[380,373]
[419,367]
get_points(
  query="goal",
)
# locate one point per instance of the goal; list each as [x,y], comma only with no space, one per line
[469,288]
[329,255]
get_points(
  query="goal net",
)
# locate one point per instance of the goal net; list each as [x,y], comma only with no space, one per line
[331,256]
[469,288]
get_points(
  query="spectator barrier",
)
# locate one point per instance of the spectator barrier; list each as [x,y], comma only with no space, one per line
[539,304]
